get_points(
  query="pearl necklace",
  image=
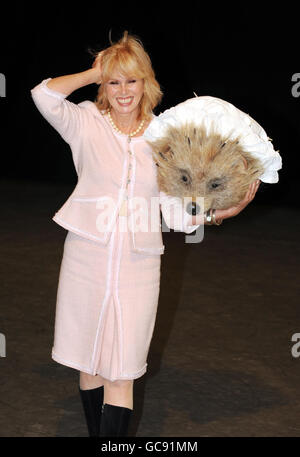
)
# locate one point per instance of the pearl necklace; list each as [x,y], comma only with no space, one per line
[120,131]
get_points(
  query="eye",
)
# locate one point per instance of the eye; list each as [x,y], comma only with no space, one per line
[132,81]
[185,177]
[113,82]
[216,184]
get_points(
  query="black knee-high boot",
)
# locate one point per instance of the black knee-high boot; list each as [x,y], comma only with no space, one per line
[92,400]
[114,420]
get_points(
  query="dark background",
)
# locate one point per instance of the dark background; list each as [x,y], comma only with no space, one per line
[239,53]
[227,310]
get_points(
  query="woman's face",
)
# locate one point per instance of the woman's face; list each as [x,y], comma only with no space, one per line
[124,94]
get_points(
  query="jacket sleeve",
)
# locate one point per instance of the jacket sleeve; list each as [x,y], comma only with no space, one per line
[63,115]
[174,214]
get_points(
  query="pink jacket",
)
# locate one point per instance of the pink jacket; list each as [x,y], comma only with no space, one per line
[101,158]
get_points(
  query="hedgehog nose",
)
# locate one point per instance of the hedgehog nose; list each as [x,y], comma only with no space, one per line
[193,208]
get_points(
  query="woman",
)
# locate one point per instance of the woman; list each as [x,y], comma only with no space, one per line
[109,277]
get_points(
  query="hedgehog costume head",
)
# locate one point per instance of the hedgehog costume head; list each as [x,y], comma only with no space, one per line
[206,147]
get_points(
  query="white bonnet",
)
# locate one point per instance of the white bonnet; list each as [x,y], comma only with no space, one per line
[229,121]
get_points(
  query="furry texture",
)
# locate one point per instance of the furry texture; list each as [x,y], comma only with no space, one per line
[192,162]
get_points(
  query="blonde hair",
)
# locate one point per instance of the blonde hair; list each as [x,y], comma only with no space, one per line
[129,58]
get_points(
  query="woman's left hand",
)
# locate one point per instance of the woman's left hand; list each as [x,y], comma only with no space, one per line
[234,210]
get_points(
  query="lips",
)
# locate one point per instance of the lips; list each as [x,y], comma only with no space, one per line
[124,101]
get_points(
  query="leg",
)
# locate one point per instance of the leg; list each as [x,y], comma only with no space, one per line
[88,381]
[91,389]
[119,393]
[117,407]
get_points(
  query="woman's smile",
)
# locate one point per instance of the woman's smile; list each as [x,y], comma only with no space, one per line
[125,101]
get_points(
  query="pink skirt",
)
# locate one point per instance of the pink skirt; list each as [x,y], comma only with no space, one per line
[106,306]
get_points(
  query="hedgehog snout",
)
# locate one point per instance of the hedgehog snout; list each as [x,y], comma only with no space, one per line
[193,208]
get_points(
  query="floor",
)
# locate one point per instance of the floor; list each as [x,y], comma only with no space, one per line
[220,361]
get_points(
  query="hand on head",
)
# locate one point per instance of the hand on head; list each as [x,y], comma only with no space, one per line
[97,66]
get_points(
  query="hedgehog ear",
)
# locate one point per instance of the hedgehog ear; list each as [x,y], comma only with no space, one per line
[164,151]
[245,162]
[167,152]
[241,163]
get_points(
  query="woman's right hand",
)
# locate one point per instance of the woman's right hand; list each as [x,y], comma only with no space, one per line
[97,66]
[234,210]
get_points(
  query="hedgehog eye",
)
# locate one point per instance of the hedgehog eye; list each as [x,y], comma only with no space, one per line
[185,177]
[216,184]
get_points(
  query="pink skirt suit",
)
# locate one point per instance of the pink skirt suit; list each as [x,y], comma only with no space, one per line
[106,307]
[108,286]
